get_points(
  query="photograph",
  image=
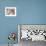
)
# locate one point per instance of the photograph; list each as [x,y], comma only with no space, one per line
[10,11]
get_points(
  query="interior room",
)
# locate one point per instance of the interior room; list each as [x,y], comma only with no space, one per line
[16,12]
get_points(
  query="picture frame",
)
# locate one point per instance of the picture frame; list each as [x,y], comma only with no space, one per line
[10,11]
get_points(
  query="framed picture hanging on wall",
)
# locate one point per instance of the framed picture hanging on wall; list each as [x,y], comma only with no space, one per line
[10,11]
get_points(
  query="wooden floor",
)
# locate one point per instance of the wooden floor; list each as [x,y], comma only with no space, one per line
[30,43]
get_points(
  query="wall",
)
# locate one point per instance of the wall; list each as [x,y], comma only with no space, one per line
[28,12]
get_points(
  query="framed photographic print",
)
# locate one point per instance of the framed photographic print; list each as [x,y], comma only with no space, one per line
[10,11]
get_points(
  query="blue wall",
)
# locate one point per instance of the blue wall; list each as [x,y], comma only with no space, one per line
[28,12]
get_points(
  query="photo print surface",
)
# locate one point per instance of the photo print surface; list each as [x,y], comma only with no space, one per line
[10,11]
